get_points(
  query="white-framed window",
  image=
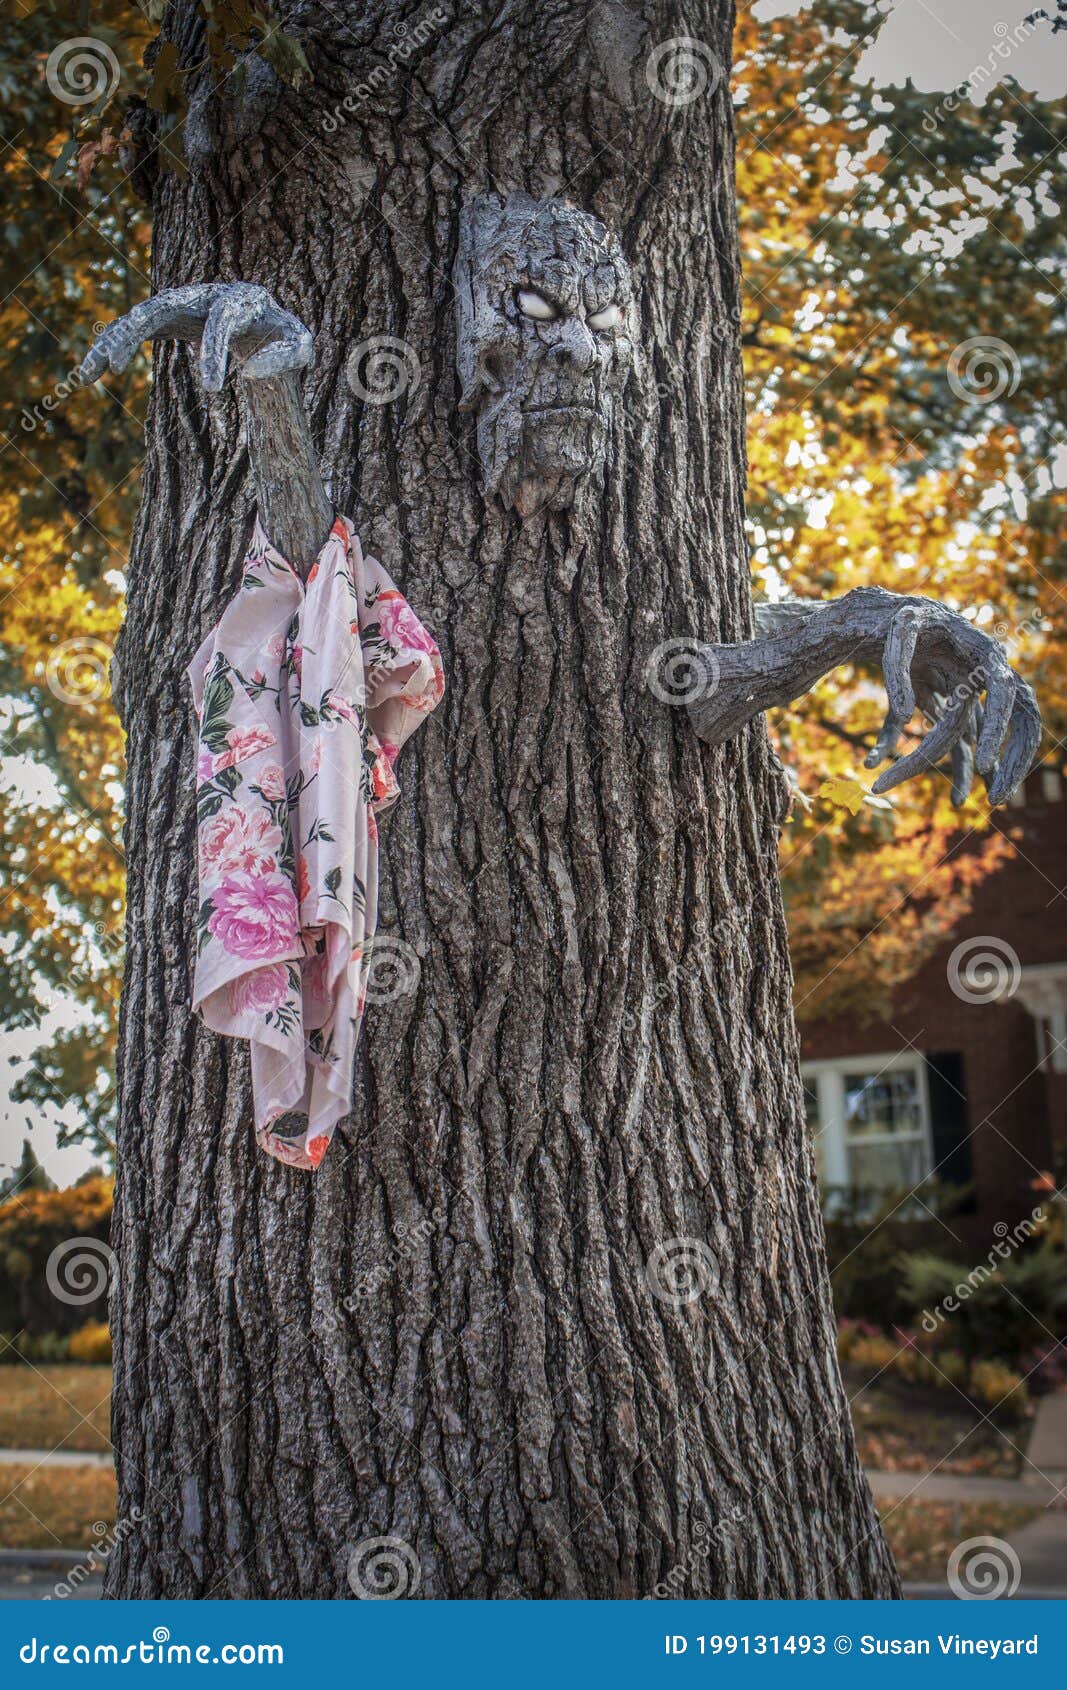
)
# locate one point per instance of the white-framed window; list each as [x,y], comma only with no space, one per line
[870,1117]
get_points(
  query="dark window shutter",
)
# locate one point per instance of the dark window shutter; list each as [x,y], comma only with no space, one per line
[948,1118]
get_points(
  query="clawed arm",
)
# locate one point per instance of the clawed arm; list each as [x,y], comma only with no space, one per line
[241,321]
[930,656]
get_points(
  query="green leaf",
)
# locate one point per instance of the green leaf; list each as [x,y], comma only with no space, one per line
[286,56]
[218,696]
[66,153]
[209,802]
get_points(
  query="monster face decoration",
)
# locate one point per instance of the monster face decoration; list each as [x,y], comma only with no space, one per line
[544,344]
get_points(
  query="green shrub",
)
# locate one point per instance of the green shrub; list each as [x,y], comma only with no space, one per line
[953,1368]
[989,1312]
[43,1348]
[867,1235]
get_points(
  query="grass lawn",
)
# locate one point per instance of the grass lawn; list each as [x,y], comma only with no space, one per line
[908,1429]
[42,1408]
[922,1535]
[52,1507]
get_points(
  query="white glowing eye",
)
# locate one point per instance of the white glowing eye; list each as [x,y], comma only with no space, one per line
[609,318]
[532,305]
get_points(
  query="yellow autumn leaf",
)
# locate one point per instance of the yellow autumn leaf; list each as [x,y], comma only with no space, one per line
[842,790]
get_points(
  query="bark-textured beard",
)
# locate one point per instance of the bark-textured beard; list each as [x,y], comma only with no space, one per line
[543,391]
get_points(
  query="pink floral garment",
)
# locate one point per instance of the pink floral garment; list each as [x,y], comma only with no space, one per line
[304,694]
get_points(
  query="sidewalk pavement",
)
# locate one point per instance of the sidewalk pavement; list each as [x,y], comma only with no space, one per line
[57,1458]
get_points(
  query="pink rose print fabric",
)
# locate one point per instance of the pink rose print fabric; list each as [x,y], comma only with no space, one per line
[305,694]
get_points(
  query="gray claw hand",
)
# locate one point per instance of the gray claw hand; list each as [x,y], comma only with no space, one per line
[929,655]
[939,657]
[223,318]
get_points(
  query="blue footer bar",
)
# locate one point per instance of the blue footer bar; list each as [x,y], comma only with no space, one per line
[543,1645]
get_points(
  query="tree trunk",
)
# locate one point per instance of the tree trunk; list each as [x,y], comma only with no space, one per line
[463,1333]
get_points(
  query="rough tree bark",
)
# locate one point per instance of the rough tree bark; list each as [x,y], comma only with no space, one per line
[599,1059]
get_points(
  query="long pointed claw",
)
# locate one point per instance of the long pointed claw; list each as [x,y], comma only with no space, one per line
[1024,738]
[896,662]
[896,668]
[1000,704]
[231,315]
[93,364]
[120,340]
[111,351]
[888,739]
[962,768]
[290,350]
[931,749]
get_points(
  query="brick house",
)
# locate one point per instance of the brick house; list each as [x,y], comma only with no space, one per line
[966,1077]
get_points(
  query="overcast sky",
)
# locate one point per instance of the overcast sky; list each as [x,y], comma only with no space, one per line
[939,44]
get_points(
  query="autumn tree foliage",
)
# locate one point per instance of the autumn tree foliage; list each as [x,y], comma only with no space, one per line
[884,233]
[75,252]
[903,352]
[54,1256]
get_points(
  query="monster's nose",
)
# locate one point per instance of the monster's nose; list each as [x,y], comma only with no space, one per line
[575,347]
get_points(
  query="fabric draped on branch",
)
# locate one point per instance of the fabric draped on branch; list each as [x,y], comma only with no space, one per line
[305,694]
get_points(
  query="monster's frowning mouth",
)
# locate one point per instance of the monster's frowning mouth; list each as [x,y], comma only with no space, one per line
[556,405]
